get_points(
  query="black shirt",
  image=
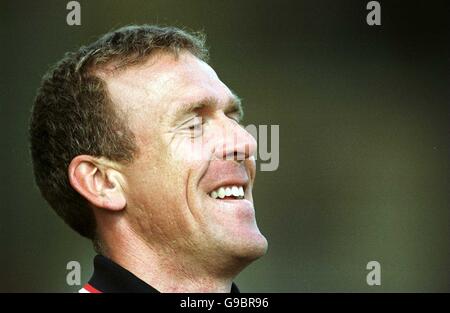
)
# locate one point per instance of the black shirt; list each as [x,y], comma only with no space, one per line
[111,277]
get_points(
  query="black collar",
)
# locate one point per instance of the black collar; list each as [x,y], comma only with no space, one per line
[111,277]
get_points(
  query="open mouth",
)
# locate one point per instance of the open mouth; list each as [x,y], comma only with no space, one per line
[235,192]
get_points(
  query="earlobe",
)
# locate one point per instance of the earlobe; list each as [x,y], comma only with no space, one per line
[97,183]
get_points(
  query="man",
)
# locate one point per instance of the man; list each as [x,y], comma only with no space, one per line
[137,145]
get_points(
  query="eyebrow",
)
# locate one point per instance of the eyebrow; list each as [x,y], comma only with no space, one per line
[233,105]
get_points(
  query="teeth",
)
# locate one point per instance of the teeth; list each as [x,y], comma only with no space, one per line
[222,192]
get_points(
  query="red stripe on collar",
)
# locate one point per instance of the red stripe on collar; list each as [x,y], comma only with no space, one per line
[91,289]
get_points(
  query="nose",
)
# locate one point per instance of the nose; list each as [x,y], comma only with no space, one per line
[234,142]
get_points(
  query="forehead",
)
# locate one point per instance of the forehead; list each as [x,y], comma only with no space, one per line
[163,83]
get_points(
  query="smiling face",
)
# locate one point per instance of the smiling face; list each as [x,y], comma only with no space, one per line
[189,188]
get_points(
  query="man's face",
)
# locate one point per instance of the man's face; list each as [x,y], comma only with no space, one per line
[186,123]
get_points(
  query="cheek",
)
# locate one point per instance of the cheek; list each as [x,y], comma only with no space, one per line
[161,175]
[186,150]
[157,199]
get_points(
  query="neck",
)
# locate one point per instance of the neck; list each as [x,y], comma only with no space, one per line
[163,268]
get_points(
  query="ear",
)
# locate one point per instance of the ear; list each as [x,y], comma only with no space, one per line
[97,182]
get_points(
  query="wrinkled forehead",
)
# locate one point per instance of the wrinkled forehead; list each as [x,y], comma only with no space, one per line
[162,83]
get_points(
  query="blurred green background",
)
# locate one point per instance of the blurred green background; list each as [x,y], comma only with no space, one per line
[364,147]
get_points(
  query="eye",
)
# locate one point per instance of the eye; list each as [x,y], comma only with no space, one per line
[235,113]
[195,122]
[195,126]
[235,116]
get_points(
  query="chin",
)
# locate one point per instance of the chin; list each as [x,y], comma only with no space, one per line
[249,247]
